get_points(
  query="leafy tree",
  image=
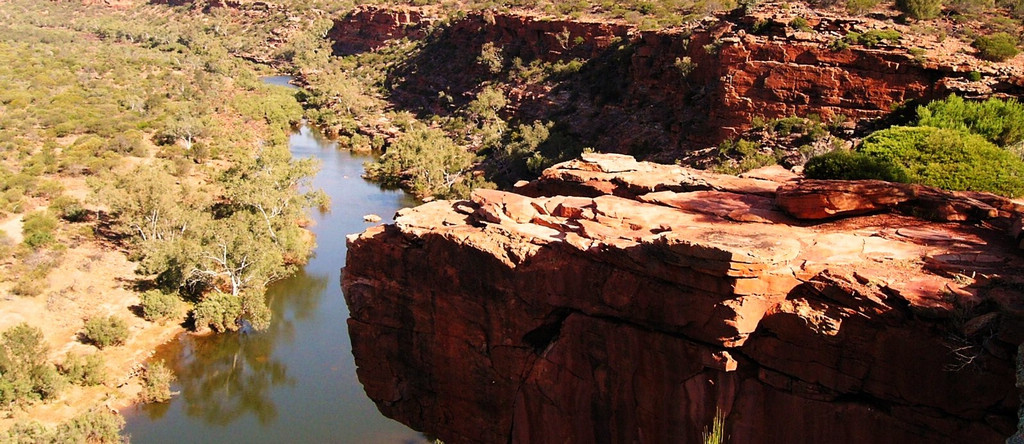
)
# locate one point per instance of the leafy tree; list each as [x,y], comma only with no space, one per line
[271,185]
[148,203]
[425,159]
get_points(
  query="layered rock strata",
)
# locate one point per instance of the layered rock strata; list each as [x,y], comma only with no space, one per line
[655,93]
[641,299]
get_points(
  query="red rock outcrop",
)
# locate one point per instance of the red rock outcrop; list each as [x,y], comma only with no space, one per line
[648,93]
[647,297]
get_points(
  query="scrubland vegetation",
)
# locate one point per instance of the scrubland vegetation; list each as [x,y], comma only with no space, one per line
[952,144]
[147,137]
[152,135]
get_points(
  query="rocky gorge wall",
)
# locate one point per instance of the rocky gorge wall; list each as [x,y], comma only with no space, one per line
[655,93]
[640,299]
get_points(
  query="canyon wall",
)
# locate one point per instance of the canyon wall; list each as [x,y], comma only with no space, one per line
[646,298]
[648,93]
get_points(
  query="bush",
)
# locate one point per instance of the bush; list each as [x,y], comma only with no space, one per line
[38,229]
[997,47]
[943,158]
[920,9]
[106,331]
[859,7]
[219,311]
[157,305]
[156,382]
[800,24]
[25,375]
[94,426]
[999,121]
[845,165]
[88,370]
[69,209]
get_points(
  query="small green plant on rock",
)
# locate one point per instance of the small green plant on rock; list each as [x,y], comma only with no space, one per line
[800,24]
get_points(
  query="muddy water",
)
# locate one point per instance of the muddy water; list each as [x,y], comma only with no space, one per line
[295,382]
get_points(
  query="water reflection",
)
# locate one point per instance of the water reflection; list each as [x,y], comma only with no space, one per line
[294,382]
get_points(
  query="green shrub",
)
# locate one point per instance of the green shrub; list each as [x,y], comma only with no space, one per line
[156,382]
[974,76]
[846,165]
[87,370]
[219,311]
[738,156]
[38,228]
[69,209]
[800,24]
[943,158]
[920,9]
[25,375]
[157,305]
[999,121]
[873,37]
[106,331]
[997,47]
[859,7]
[94,426]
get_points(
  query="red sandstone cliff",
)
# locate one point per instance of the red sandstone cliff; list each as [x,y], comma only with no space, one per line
[659,92]
[646,297]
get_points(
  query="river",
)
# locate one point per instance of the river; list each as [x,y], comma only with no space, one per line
[295,382]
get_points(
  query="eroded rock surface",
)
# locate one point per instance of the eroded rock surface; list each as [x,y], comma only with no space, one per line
[636,299]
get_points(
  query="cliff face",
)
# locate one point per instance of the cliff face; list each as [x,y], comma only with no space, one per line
[646,297]
[649,92]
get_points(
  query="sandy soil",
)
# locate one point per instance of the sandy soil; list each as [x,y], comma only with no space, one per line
[93,278]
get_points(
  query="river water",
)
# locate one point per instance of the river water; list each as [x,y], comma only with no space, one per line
[295,382]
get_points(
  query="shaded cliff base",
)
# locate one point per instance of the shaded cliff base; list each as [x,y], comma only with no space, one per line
[659,94]
[641,298]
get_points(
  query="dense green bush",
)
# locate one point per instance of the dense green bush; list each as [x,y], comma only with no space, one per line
[25,375]
[157,305]
[846,165]
[997,47]
[156,382]
[84,370]
[999,121]
[219,311]
[920,9]
[106,331]
[938,157]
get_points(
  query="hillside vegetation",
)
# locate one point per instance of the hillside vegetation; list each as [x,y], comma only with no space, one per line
[141,138]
